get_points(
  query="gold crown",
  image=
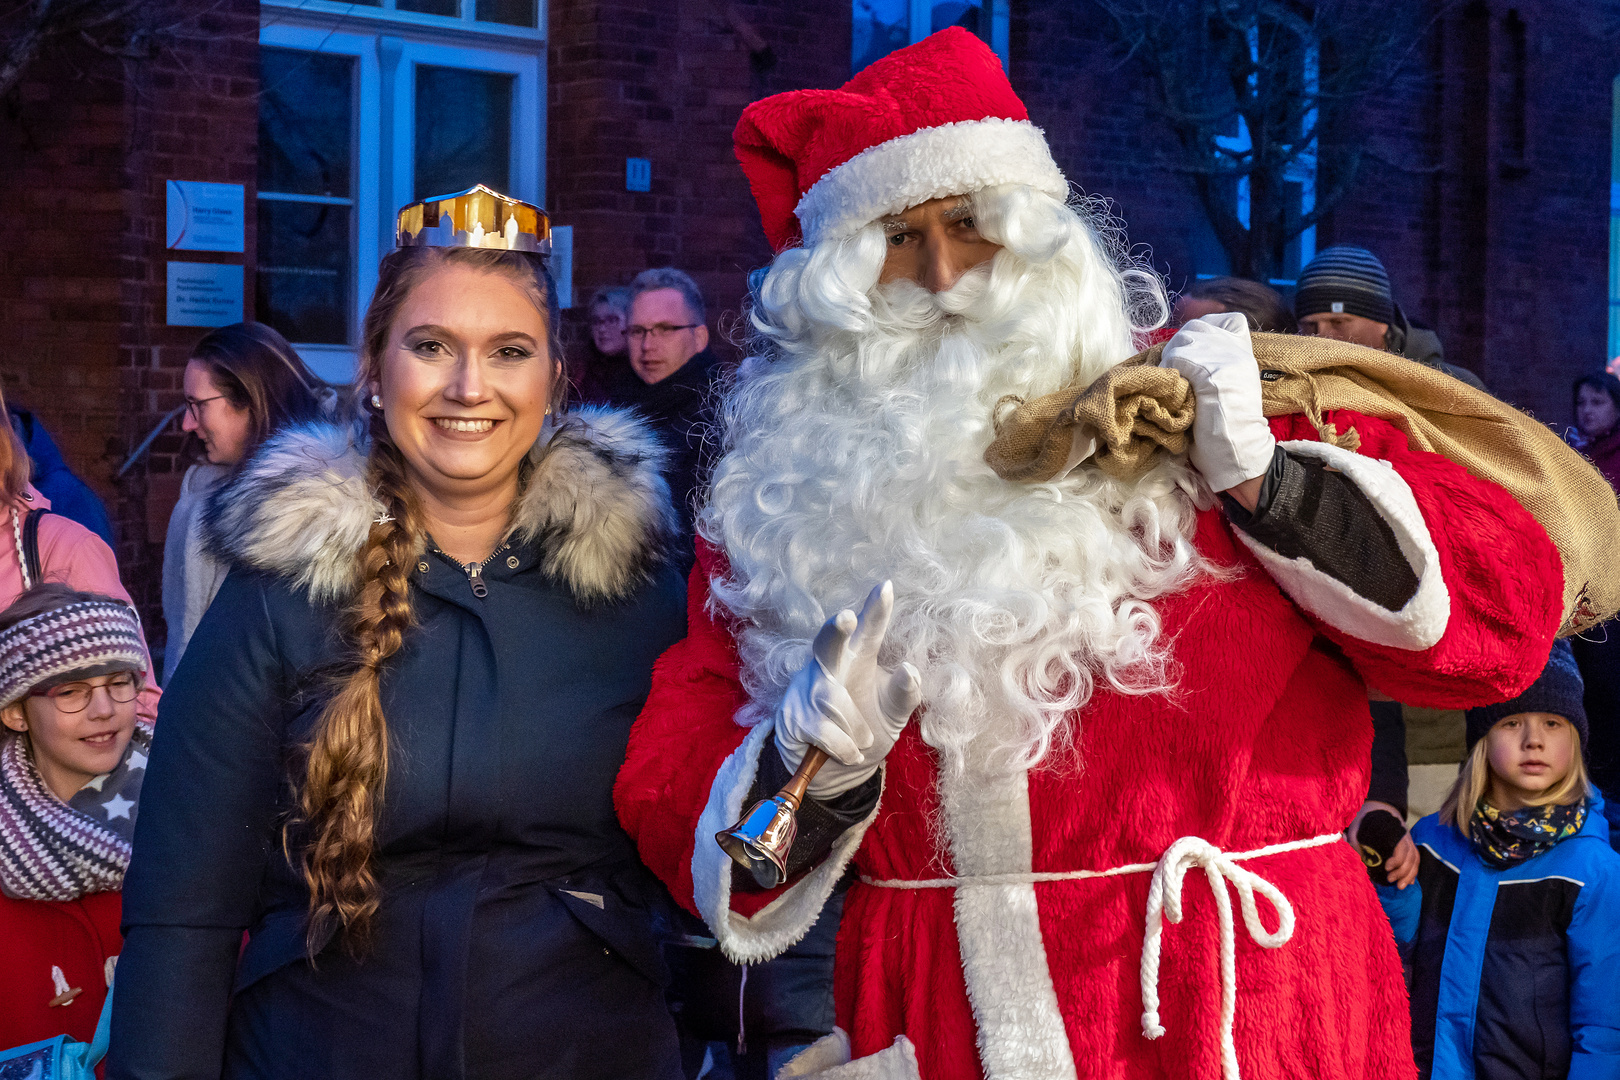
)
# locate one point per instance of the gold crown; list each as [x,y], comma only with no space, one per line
[477,217]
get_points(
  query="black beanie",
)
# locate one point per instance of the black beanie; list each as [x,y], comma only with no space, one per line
[1558,690]
[1345,279]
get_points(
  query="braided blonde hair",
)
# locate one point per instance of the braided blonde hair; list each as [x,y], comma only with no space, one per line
[333,828]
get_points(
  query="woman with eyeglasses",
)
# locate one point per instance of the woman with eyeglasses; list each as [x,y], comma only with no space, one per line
[72,757]
[243,384]
[601,374]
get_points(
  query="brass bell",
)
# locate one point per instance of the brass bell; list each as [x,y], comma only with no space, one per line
[761,840]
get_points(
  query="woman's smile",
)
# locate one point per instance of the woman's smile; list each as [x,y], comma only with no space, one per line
[464,425]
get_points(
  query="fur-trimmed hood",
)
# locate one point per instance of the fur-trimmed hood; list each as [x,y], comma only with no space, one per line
[595,502]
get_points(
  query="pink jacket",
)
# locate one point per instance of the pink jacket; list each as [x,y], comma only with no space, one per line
[70,554]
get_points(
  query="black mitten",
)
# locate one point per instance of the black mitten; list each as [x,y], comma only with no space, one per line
[1376,840]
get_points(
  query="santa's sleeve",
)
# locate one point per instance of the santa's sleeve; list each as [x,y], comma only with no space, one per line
[1439,587]
[690,769]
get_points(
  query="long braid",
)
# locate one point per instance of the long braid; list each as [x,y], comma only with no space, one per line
[332,834]
[348,755]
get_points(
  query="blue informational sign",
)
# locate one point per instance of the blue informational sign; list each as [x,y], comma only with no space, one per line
[637,174]
[204,294]
[205,217]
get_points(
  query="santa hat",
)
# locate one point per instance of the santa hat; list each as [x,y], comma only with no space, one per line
[933,119]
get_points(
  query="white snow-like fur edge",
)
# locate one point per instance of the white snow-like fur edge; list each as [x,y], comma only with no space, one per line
[784,921]
[595,502]
[1422,621]
[951,159]
[828,1058]
[998,929]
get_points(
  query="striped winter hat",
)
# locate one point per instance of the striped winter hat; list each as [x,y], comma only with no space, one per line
[85,639]
[1347,280]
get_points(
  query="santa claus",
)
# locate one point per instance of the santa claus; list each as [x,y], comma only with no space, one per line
[1057,699]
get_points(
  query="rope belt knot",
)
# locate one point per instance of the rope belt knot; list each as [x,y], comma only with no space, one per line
[1164,901]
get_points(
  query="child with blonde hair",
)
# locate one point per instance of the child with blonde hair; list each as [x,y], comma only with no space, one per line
[1516,954]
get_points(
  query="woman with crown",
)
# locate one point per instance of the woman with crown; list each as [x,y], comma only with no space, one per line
[388,755]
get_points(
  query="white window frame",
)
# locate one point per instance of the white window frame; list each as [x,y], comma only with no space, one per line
[920,22]
[389,45]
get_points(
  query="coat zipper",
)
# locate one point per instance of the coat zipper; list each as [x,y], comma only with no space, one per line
[474,571]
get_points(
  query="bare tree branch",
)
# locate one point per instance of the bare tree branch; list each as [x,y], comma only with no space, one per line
[1253,90]
[98,23]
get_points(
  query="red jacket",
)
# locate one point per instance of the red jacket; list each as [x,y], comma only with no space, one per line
[1265,742]
[76,936]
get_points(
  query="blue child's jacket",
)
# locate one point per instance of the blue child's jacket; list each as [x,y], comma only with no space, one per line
[1515,973]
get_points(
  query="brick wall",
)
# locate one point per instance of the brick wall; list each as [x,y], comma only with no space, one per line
[667,81]
[89,139]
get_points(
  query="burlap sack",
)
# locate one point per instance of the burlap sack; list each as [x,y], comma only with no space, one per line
[1139,409]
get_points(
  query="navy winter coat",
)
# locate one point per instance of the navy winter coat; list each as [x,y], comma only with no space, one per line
[516,933]
[1515,973]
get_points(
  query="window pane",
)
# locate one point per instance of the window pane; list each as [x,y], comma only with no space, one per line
[879,29]
[451,8]
[303,281]
[463,130]
[510,12]
[305,105]
[963,13]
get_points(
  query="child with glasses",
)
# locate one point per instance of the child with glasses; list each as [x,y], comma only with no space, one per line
[72,757]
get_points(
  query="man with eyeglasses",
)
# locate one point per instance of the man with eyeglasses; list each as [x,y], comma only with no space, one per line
[669,352]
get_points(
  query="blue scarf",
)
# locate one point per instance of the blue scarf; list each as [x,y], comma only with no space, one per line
[1507,838]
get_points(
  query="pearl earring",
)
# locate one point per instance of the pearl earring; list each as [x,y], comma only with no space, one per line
[376,401]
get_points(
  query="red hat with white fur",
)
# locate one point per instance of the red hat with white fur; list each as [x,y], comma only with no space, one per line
[933,119]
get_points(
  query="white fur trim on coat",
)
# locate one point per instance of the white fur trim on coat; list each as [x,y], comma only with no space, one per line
[1417,625]
[828,1058]
[784,921]
[951,159]
[1009,983]
[595,502]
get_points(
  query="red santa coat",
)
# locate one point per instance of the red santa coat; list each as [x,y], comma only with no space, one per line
[1264,741]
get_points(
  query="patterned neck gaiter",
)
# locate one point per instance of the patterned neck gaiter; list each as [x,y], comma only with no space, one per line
[51,850]
[1507,838]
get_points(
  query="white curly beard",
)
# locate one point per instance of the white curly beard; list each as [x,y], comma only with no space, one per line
[855,454]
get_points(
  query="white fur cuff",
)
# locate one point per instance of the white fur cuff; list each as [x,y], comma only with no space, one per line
[784,921]
[828,1058]
[1417,625]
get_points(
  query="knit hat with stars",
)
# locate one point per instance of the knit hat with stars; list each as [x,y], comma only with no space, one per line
[933,119]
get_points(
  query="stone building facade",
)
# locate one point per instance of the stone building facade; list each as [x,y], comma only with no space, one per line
[1486,189]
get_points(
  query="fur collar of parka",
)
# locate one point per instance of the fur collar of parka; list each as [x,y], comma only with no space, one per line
[594,501]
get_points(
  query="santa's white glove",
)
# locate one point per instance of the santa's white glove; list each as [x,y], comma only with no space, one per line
[843,702]
[1231,441]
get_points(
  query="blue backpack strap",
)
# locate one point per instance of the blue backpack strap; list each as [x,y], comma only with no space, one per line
[90,1054]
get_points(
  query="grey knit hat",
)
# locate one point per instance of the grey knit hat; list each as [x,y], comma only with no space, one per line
[1558,690]
[1348,280]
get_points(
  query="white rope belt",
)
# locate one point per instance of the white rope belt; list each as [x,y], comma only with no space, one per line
[1164,901]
